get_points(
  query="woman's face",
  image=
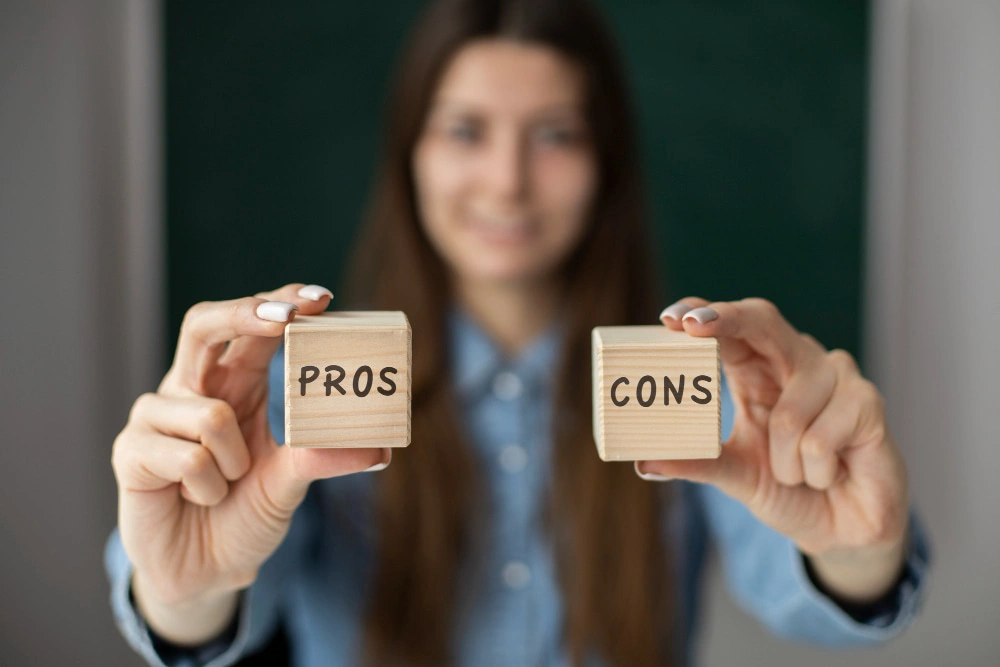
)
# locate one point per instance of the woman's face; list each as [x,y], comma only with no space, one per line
[504,168]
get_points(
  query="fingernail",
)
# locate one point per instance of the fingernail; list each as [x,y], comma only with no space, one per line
[275,311]
[651,476]
[380,466]
[675,311]
[702,315]
[314,292]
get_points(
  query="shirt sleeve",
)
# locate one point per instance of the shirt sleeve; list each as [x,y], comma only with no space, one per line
[261,603]
[766,574]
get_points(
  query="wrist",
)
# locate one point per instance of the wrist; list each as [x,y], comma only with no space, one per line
[189,623]
[860,575]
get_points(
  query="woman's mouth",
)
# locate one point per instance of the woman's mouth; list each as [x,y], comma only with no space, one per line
[502,230]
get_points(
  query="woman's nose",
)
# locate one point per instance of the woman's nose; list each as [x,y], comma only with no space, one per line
[506,168]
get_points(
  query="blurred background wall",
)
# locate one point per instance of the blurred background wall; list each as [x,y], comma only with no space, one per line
[81,302]
[752,118]
[840,158]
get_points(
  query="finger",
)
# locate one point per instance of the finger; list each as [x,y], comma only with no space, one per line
[731,351]
[838,427]
[751,323]
[802,399]
[151,462]
[672,314]
[286,475]
[210,325]
[208,421]
[255,352]
[731,472]
[825,439]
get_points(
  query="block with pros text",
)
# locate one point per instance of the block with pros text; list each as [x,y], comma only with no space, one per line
[347,380]
[656,394]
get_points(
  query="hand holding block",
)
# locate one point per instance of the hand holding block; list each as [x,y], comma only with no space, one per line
[347,380]
[656,394]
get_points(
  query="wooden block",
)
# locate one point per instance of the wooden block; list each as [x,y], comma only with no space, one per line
[656,394]
[347,380]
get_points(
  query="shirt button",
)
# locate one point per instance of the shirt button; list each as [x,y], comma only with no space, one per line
[516,575]
[506,386]
[513,458]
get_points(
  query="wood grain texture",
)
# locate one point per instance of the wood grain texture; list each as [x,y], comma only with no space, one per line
[664,428]
[362,416]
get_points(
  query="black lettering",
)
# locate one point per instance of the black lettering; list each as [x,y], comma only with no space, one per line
[698,387]
[306,379]
[652,392]
[614,398]
[368,387]
[669,388]
[330,382]
[388,381]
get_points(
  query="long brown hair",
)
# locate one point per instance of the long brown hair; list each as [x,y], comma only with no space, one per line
[605,522]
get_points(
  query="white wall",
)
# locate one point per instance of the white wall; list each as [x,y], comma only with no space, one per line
[77,229]
[933,316]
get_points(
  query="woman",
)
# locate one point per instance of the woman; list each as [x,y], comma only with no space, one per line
[507,222]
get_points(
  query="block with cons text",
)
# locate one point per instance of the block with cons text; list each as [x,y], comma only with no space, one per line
[656,394]
[347,380]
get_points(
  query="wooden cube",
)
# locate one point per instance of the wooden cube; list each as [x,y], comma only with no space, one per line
[347,380]
[656,394]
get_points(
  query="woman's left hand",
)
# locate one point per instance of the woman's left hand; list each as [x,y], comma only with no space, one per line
[810,453]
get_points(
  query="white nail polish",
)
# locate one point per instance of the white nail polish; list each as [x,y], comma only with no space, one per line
[379,466]
[651,476]
[275,311]
[675,311]
[702,315]
[314,292]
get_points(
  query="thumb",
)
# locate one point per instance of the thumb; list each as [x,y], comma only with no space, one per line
[731,472]
[285,475]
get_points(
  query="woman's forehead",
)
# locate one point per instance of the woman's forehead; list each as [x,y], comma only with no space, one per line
[504,75]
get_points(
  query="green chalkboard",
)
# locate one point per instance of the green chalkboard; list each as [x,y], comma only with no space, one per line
[752,118]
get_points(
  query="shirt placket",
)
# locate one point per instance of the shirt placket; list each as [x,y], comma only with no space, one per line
[510,470]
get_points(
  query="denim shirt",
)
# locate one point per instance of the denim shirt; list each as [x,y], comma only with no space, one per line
[511,612]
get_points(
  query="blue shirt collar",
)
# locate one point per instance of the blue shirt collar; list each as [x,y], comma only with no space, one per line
[475,358]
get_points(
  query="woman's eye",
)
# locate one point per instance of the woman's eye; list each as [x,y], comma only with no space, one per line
[556,136]
[464,133]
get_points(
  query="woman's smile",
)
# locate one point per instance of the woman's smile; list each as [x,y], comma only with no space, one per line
[502,231]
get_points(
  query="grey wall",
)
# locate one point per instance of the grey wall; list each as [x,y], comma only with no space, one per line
[75,332]
[935,267]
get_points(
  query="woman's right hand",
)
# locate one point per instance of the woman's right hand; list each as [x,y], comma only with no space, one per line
[205,494]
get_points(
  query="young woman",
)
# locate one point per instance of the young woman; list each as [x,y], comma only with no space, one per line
[507,222]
